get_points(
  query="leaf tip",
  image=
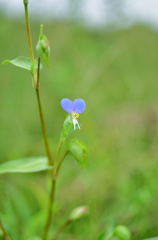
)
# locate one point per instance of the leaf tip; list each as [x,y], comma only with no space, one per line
[5,62]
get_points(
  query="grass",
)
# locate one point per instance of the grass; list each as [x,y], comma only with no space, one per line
[116,74]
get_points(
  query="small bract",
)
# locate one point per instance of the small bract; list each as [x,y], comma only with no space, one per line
[74,108]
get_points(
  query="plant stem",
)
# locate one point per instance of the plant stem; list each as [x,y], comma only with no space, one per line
[50,210]
[44,128]
[6,236]
[28,31]
[38,73]
[61,161]
[52,193]
[58,152]
[37,88]
[61,229]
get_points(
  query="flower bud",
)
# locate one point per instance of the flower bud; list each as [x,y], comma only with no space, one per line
[43,48]
[78,213]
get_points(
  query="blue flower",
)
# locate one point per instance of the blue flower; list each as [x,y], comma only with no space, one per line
[74,108]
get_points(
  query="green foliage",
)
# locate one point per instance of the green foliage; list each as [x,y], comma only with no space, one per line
[22,62]
[108,69]
[122,232]
[118,233]
[25,165]
[79,151]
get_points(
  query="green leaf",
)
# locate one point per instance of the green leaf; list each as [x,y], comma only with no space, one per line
[22,62]
[32,164]
[122,232]
[79,151]
[43,49]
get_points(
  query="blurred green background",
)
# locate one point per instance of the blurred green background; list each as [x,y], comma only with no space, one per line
[115,72]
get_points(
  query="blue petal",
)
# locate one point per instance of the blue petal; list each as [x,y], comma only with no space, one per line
[79,105]
[67,105]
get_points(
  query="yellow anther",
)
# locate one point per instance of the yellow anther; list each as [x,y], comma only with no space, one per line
[77,115]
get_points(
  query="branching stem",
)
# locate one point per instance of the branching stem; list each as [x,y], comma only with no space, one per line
[58,152]
[61,161]
[52,193]
[37,87]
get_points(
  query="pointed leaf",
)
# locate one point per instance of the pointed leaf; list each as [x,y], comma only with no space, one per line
[22,62]
[32,164]
[79,151]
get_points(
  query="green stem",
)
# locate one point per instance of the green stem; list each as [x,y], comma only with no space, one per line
[41,29]
[50,210]
[6,236]
[58,152]
[37,89]
[44,128]
[61,229]
[38,74]
[28,31]
[52,193]
[59,166]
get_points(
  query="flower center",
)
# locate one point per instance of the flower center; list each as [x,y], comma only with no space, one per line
[75,115]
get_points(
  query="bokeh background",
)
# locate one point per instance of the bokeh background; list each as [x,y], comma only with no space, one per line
[106,53]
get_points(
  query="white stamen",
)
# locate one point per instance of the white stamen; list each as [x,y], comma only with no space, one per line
[75,122]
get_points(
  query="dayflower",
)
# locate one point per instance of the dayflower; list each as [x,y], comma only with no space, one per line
[74,108]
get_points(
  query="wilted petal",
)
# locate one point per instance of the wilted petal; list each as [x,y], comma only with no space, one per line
[67,105]
[79,105]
